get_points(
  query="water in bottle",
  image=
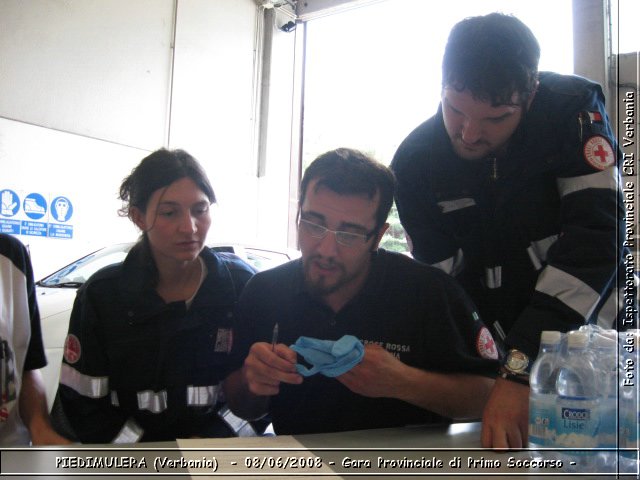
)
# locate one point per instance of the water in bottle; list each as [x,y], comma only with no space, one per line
[542,397]
[577,405]
[604,344]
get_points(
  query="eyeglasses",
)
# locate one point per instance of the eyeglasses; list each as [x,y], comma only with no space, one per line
[348,239]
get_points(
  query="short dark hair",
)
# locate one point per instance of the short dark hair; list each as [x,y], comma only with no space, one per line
[350,172]
[493,56]
[158,170]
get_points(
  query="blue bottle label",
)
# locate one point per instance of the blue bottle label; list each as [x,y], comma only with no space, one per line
[577,426]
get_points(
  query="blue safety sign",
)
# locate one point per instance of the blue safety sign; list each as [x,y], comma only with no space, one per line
[61,209]
[11,227]
[34,229]
[34,206]
[9,203]
[35,214]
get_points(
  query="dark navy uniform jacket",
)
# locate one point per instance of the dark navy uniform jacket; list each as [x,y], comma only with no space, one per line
[535,236]
[414,311]
[136,368]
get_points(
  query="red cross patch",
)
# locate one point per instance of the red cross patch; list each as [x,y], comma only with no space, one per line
[598,152]
[485,344]
[72,349]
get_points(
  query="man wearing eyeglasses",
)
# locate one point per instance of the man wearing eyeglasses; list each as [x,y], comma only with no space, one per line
[428,358]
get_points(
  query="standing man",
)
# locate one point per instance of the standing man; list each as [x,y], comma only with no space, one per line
[427,356]
[24,415]
[512,189]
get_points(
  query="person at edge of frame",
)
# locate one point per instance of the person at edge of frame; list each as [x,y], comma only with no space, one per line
[24,416]
[512,188]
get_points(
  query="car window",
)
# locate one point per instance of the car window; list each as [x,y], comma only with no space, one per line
[264,259]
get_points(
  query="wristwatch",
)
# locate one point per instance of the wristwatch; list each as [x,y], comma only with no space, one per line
[517,362]
[516,367]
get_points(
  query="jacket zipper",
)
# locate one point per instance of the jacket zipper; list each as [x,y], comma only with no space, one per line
[494,169]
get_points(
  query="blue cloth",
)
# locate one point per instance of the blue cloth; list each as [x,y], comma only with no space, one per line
[328,357]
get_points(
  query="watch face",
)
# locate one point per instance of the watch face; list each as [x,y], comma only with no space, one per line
[517,361]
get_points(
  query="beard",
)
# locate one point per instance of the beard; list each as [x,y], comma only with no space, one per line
[321,285]
[478,151]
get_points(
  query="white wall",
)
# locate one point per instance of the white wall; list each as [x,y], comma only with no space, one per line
[92,67]
[92,86]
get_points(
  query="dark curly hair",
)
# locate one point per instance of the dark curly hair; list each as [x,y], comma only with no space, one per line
[350,172]
[493,56]
[158,170]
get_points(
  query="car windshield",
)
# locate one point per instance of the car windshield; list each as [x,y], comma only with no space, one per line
[76,273]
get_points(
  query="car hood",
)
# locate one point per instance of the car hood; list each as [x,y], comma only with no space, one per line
[52,301]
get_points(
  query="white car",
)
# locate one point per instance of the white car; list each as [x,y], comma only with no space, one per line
[57,292]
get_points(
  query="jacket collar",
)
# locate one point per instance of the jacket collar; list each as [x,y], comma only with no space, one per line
[142,301]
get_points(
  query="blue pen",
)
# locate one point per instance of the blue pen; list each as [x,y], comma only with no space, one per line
[274,337]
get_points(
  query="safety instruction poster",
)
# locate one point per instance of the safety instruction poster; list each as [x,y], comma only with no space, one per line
[35,214]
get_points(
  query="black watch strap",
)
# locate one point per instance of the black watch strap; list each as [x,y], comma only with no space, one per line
[514,377]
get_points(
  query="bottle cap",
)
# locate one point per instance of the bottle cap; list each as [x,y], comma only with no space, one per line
[577,339]
[550,336]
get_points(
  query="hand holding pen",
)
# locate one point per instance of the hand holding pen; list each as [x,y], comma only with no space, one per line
[269,365]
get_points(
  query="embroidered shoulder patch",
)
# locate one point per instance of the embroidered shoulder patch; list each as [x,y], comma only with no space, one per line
[72,349]
[485,345]
[598,152]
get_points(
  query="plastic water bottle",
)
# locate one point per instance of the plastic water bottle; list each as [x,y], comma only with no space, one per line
[577,405]
[542,397]
[629,414]
[605,344]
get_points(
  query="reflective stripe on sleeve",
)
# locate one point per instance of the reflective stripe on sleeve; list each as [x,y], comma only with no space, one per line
[453,265]
[204,395]
[493,277]
[241,427]
[571,291]
[538,250]
[606,179]
[85,385]
[155,402]
[448,206]
[131,432]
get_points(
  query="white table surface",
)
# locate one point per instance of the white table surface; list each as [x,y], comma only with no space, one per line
[443,452]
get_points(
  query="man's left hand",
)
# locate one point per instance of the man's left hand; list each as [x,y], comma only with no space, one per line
[505,421]
[376,375]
